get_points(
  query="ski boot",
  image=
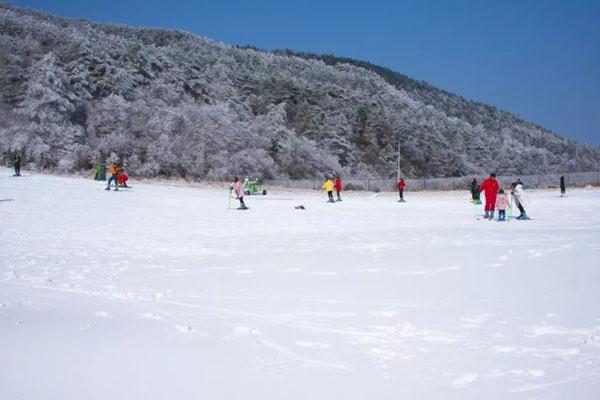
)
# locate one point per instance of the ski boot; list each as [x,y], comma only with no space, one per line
[523,216]
[491,215]
[487,215]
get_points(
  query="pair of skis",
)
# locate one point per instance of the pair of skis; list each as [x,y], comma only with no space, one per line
[230,198]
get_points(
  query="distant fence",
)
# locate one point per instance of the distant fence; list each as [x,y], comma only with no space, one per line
[384,185]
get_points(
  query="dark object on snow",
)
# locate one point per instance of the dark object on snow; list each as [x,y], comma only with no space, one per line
[563,186]
[300,207]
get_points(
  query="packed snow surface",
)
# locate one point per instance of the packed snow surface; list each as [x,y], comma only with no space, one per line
[163,292]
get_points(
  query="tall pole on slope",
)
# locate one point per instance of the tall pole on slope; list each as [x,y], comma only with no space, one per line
[398,135]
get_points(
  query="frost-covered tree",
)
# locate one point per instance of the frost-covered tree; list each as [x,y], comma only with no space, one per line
[164,102]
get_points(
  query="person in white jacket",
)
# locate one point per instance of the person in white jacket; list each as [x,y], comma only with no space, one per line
[520,198]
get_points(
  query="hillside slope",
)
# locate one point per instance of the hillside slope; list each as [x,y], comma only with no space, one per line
[73,93]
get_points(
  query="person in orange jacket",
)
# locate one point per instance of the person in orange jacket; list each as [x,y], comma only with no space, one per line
[113,170]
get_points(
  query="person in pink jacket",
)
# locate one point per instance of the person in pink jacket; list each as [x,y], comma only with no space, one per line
[502,205]
[238,189]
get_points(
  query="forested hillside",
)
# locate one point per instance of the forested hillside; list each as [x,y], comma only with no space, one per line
[165,102]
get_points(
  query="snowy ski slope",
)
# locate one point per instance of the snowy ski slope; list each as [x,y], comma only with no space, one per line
[161,292]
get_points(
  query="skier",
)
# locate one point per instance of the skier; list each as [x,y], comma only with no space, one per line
[520,198]
[338,187]
[475,192]
[122,178]
[563,186]
[401,185]
[114,172]
[328,186]
[238,189]
[502,205]
[490,186]
[17,164]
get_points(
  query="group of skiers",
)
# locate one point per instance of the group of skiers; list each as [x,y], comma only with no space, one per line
[117,175]
[496,198]
[329,185]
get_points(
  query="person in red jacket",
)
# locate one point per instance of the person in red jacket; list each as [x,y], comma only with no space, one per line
[122,178]
[338,187]
[489,187]
[401,185]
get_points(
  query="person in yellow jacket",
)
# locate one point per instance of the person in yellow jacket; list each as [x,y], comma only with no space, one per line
[328,186]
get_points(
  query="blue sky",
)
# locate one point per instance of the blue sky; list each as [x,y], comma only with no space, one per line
[538,59]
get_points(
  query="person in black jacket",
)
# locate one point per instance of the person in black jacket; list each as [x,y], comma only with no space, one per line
[475,193]
[563,186]
[17,164]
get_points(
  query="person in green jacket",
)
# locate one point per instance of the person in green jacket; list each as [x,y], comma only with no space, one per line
[475,194]
[17,164]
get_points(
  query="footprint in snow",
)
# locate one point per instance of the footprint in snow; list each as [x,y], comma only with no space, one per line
[312,345]
[189,330]
[464,380]
[152,316]
[103,314]
[529,373]
[246,331]
[382,313]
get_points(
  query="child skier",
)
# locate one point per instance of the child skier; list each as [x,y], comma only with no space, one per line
[328,186]
[401,185]
[502,205]
[490,186]
[238,189]
[338,187]
[475,192]
[122,178]
[520,198]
